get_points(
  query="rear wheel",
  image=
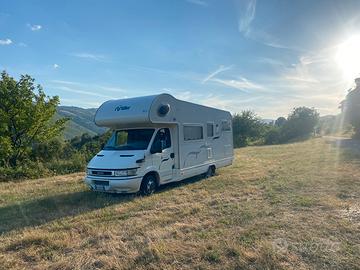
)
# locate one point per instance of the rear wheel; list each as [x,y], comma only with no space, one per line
[148,185]
[210,172]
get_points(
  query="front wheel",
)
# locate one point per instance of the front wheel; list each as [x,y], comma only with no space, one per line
[210,172]
[148,185]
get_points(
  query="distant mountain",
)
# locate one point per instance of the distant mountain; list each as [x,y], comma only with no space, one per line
[81,121]
[267,121]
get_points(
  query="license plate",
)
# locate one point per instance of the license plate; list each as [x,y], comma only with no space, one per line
[99,188]
[101,183]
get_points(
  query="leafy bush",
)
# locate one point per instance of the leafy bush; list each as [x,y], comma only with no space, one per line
[300,123]
[63,166]
[26,170]
[56,157]
[281,121]
[273,136]
[247,128]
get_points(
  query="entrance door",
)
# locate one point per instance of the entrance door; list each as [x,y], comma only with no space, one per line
[165,160]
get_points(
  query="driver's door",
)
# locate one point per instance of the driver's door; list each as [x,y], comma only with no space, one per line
[164,160]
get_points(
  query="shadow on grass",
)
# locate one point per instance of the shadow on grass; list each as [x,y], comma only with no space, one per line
[46,209]
[40,211]
[350,148]
[181,183]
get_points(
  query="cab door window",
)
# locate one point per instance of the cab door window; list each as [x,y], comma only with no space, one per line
[163,138]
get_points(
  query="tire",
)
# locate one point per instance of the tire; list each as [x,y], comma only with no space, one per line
[210,172]
[148,185]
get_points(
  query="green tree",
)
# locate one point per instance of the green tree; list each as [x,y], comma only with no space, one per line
[301,123]
[351,108]
[280,121]
[272,135]
[247,127]
[49,150]
[26,115]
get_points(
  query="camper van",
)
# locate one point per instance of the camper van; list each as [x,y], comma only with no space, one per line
[156,140]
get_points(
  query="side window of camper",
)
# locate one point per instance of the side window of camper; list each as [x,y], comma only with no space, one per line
[210,130]
[163,136]
[192,133]
[225,125]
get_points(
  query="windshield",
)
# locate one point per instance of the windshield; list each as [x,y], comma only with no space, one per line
[131,139]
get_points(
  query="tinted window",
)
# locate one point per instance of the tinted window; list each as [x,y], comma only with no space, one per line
[210,130]
[225,125]
[193,133]
[163,136]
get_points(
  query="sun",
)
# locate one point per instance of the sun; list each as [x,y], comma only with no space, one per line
[348,57]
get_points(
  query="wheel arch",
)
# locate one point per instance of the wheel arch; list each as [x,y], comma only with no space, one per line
[154,173]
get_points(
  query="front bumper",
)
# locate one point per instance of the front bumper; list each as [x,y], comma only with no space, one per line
[114,184]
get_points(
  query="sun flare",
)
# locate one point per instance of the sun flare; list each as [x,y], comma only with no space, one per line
[348,57]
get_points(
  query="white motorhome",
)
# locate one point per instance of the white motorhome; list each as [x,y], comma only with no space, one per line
[156,140]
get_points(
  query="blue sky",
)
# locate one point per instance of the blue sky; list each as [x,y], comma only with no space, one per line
[267,56]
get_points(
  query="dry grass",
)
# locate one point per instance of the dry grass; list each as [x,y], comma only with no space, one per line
[291,206]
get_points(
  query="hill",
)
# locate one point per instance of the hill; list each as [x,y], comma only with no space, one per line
[293,206]
[267,121]
[81,121]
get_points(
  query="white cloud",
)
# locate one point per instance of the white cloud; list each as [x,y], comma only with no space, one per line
[267,39]
[240,84]
[34,27]
[184,95]
[212,100]
[22,44]
[247,17]
[218,101]
[82,92]
[89,86]
[178,93]
[198,2]
[213,74]
[313,68]
[273,63]
[112,89]
[77,102]
[55,66]
[66,82]
[91,56]
[5,41]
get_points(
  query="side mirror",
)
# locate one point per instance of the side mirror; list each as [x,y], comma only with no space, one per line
[102,146]
[156,147]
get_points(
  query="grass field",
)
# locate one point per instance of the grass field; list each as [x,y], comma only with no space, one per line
[294,206]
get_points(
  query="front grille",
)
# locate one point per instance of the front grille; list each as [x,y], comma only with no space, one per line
[101,173]
[100,183]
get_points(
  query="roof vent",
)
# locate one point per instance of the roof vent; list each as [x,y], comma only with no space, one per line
[163,110]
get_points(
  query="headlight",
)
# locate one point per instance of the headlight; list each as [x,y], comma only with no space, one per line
[120,173]
[129,172]
[88,171]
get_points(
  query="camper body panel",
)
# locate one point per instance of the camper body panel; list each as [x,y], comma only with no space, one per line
[126,112]
[200,137]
